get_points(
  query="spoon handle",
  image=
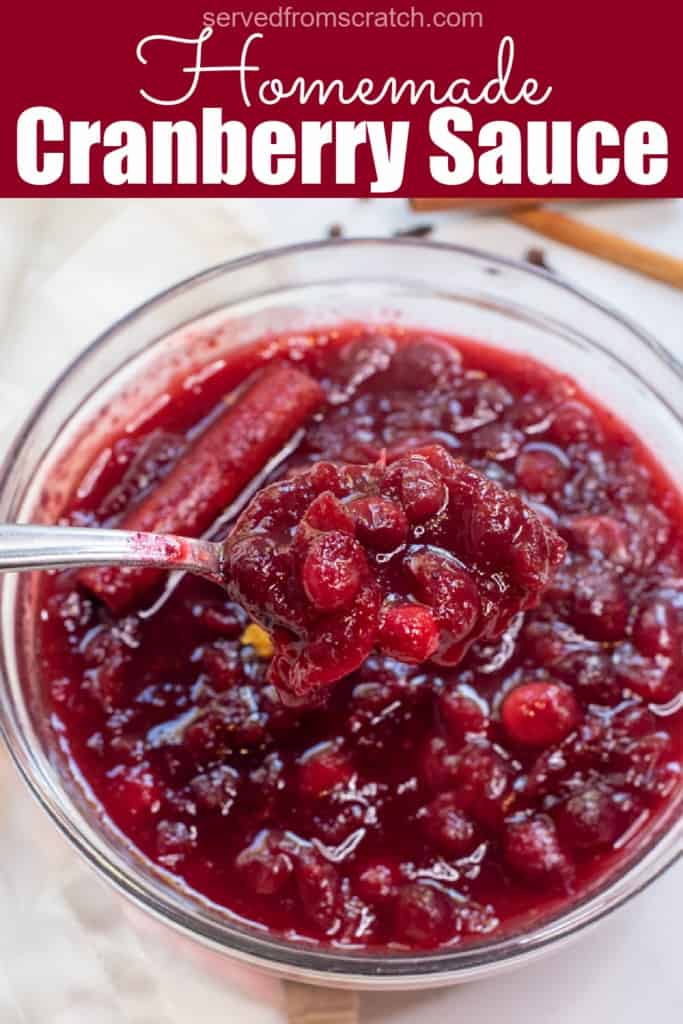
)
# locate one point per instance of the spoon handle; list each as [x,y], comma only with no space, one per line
[25,547]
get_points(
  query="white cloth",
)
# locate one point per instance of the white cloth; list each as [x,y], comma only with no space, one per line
[70,951]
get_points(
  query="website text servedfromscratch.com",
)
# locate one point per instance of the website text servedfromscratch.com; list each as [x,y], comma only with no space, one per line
[290,17]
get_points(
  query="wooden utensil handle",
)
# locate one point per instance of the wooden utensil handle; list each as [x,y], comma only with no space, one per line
[309,1005]
[424,205]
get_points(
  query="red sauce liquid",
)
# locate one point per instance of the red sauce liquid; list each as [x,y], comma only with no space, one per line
[424,805]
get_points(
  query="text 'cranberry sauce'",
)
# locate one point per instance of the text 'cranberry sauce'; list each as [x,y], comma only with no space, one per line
[424,804]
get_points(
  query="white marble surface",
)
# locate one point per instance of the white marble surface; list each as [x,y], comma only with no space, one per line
[69,952]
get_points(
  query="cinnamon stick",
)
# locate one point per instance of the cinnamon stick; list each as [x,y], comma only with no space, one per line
[446,203]
[604,244]
[212,472]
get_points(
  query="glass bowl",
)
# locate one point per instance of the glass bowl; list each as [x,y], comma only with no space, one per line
[187,329]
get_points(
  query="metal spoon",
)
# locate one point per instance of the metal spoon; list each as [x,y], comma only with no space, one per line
[23,548]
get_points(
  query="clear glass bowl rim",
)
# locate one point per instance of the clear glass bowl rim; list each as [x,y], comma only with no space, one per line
[327,965]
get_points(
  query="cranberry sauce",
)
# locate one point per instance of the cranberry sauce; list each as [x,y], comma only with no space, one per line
[418,559]
[424,804]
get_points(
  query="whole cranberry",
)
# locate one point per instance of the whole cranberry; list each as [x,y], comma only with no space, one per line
[439,765]
[531,846]
[482,782]
[323,768]
[574,422]
[424,916]
[588,819]
[418,486]
[265,867]
[547,642]
[658,629]
[463,712]
[649,530]
[336,645]
[221,662]
[332,571]
[540,713]
[447,826]
[603,535]
[336,821]
[541,469]
[207,737]
[375,709]
[591,673]
[449,590]
[358,361]
[499,441]
[634,721]
[235,719]
[548,772]
[262,574]
[490,394]
[654,679]
[326,513]
[425,364]
[408,632]
[319,888]
[381,524]
[646,757]
[600,606]
[533,412]
[107,650]
[377,881]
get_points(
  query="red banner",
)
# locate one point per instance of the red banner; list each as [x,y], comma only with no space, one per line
[224,98]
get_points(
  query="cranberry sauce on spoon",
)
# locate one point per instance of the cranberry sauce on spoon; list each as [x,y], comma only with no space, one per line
[419,559]
[478,762]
